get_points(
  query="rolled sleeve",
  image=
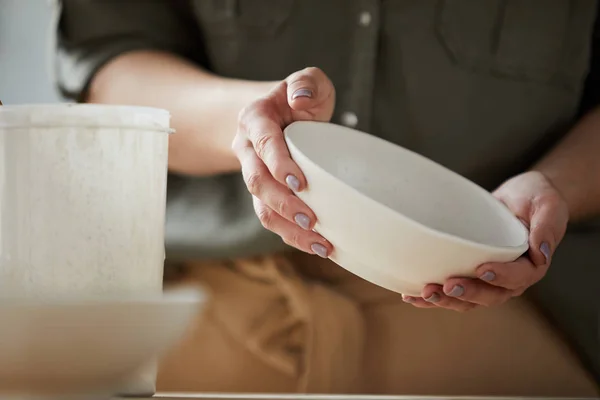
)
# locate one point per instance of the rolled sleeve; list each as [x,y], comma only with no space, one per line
[89,33]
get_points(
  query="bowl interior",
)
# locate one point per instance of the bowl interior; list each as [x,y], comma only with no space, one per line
[408,183]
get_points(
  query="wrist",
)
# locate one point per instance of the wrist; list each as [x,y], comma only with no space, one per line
[565,188]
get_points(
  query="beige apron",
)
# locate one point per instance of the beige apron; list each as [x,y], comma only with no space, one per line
[296,323]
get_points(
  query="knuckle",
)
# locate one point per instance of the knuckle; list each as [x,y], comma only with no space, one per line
[262,107]
[295,239]
[266,216]
[255,109]
[254,183]
[237,142]
[284,206]
[550,200]
[243,116]
[246,112]
[262,145]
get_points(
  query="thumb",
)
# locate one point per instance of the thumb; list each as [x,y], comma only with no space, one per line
[547,227]
[311,95]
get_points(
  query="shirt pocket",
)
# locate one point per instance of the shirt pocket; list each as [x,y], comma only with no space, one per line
[242,18]
[529,40]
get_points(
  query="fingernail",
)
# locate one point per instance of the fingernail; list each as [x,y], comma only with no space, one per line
[319,250]
[292,182]
[302,220]
[545,249]
[408,299]
[488,276]
[302,93]
[434,298]
[457,291]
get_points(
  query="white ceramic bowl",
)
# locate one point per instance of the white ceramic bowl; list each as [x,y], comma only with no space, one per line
[89,346]
[396,218]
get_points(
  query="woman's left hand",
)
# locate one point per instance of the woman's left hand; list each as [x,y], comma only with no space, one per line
[534,200]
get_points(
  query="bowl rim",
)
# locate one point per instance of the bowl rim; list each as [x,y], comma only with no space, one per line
[288,133]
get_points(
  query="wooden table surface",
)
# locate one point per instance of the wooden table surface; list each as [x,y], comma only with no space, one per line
[226,396]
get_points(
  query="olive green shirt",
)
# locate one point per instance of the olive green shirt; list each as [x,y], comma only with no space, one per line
[484,87]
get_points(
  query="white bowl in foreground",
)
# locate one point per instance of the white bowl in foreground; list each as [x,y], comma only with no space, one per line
[87,346]
[394,217]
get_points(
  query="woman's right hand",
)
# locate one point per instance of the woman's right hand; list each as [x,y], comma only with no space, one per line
[271,176]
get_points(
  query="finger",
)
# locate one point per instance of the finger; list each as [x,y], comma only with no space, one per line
[512,275]
[548,223]
[261,126]
[434,294]
[307,241]
[417,302]
[311,95]
[476,291]
[277,197]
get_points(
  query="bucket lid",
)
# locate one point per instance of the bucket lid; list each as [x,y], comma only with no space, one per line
[85,116]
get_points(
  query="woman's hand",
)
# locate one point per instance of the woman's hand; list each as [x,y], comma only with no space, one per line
[534,200]
[270,174]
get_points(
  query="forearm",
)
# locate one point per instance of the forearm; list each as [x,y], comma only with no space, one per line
[573,166]
[204,106]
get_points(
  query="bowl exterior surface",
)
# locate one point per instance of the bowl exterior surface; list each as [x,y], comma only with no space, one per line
[379,245]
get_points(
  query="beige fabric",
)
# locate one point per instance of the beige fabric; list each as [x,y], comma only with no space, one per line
[296,323]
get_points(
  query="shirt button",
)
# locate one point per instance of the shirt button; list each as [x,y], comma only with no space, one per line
[364,19]
[349,119]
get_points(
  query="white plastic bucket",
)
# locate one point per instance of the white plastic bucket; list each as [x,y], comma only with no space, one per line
[82,203]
